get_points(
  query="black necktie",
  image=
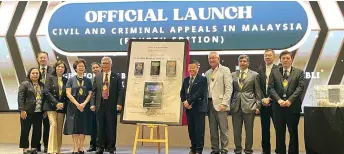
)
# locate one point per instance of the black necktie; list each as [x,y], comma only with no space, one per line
[285,74]
[190,84]
[43,75]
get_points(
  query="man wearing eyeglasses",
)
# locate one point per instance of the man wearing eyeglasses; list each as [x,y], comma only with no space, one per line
[219,94]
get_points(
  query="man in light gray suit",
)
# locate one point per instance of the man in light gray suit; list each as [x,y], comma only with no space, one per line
[219,95]
[246,101]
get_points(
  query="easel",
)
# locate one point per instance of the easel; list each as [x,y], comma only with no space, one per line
[151,139]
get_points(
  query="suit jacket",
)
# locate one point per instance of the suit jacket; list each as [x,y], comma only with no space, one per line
[50,70]
[222,88]
[197,96]
[249,96]
[115,91]
[53,87]
[262,81]
[294,90]
[27,98]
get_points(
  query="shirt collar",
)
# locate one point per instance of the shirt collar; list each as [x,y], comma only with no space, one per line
[107,73]
[194,77]
[288,70]
[246,70]
[216,68]
[46,66]
[269,66]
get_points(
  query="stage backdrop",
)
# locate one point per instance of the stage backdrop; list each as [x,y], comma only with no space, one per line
[24,30]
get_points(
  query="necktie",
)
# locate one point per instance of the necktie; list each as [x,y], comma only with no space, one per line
[43,75]
[190,83]
[106,87]
[285,74]
[242,79]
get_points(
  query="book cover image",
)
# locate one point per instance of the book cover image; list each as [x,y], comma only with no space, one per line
[171,67]
[155,68]
[139,66]
[153,92]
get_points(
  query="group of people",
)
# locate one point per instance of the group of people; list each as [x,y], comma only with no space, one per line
[272,91]
[80,106]
[76,106]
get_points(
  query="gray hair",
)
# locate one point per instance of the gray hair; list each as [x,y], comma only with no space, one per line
[244,56]
[213,52]
[106,58]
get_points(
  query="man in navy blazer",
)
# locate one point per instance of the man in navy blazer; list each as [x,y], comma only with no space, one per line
[193,95]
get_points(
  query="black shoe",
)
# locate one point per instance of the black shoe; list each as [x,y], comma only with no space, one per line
[192,152]
[34,151]
[45,150]
[224,152]
[99,151]
[39,148]
[111,150]
[91,149]
[75,152]
[81,152]
[214,152]
[27,152]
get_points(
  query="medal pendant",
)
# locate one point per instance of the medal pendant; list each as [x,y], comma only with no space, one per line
[285,83]
[105,87]
[81,91]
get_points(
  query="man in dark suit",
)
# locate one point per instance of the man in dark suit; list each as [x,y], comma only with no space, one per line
[107,101]
[46,71]
[286,86]
[193,95]
[96,70]
[266,109]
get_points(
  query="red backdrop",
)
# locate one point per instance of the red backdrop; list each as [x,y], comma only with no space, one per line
[187,59]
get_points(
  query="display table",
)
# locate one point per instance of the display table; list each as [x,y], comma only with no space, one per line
[324,130]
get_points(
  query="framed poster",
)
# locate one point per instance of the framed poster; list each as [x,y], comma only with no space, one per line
[153,95]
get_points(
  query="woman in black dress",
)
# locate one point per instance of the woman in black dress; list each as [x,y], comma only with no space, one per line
[78,118]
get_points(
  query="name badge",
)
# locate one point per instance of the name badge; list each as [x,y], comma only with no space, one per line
[284,95]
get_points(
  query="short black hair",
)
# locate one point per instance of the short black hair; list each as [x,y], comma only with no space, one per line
[29,72]
[95,63]
[244,56]
[59,62]
[267,50]
[194,62]
[284,53]
[42,52]
[79,61]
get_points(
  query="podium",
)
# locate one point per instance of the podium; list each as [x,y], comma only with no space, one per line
[151,139]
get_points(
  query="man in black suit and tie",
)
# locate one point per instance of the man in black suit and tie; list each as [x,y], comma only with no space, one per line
[96,70]
[286,86]
[193,95]
[107,101]
[266,109]
[46,71]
